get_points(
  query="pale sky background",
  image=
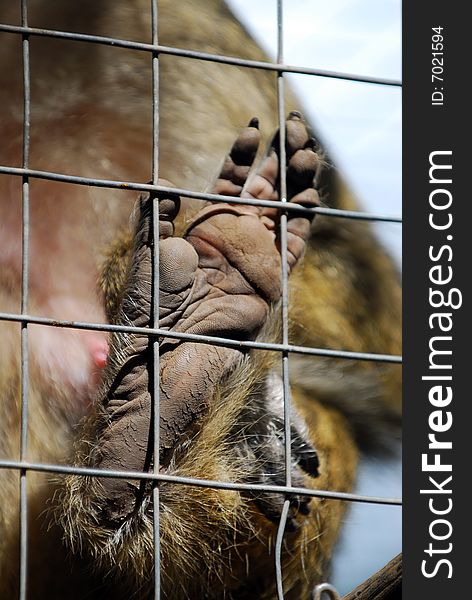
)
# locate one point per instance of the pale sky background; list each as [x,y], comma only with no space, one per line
[361,126]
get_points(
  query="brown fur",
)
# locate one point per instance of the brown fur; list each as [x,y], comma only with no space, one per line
[95,121]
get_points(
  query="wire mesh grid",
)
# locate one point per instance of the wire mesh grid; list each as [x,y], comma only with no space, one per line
[154,188]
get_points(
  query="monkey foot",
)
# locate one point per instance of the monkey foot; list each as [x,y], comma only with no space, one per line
[220,279]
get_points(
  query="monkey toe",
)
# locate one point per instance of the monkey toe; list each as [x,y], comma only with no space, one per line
[238,163]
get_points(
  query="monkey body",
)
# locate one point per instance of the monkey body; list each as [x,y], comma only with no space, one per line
[345,295]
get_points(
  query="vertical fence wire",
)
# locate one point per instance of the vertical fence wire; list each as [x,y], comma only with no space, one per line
[24,307]
[284,307]
[155,301]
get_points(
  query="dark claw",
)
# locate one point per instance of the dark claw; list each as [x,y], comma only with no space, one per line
[313,144]
[306,455]
[265,437]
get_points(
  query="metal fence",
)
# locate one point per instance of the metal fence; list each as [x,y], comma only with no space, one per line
[285,348]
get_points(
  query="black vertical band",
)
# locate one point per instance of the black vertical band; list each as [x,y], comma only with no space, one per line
[437,324]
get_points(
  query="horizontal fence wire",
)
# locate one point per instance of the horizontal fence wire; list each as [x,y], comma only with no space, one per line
[194,54]
[194,481]
[194,195]
[155,333]
[203,339]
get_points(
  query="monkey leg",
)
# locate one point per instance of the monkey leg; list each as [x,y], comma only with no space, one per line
[221,416]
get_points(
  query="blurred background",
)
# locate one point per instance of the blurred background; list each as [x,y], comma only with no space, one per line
[360,124]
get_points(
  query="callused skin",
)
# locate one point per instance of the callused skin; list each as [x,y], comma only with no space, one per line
[220,279]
